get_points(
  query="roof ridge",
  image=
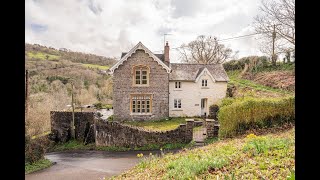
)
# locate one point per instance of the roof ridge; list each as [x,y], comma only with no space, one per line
[195,64]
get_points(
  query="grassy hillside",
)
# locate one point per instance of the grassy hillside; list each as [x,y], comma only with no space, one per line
[244,87]
[94,66]
[270,156]
[38,52]
[51,74]
[42,56]
[256,75]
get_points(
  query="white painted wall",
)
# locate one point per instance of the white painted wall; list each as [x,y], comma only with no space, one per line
[191,94]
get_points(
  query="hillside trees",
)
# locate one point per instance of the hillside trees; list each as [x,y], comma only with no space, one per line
[277,24]
[204,50]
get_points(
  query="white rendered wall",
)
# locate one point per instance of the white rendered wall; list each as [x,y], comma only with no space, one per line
[191,94]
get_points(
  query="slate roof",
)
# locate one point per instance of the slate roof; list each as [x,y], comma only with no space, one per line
[189,72]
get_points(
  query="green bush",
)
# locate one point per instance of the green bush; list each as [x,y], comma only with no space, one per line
[237,116]
[98,105]
[214,108]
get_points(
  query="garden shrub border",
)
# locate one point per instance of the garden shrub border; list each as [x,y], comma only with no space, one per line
[236,116]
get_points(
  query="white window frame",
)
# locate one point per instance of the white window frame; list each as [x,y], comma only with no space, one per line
[177,104]
[177,85]
[204,83]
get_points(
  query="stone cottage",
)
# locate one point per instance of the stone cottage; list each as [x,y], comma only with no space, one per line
[146,86]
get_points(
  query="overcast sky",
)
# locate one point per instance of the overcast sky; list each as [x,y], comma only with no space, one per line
[109,27]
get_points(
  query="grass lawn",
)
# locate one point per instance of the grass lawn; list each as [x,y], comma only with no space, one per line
[41,164]
[271,156]
[42,56]
[76,145]
[160,125]
[94,66]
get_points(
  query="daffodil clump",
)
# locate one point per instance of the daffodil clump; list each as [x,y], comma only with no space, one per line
[140,155]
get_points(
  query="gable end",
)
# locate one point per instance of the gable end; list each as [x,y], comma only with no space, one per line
[139,46]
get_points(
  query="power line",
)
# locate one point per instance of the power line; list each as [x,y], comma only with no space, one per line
[239,37]
[247,35]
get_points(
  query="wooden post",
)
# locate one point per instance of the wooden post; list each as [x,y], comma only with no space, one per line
[72,122]
[273,39]
[26,101]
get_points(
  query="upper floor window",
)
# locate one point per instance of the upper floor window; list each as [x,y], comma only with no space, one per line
[177,84]
[141,75]
[204,82]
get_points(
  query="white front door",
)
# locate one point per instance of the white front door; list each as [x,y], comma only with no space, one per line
[204,106]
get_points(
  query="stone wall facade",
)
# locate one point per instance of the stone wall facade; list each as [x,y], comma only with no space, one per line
[123,87]
[121,135]
[61,126]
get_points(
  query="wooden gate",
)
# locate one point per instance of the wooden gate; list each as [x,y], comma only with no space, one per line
[199,132]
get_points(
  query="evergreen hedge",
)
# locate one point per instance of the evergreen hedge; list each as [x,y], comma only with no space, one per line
[236,116]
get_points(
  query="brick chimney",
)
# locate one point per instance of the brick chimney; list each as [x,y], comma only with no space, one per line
[166,53]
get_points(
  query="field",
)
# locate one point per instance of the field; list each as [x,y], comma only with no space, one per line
[94,66]
[42,56]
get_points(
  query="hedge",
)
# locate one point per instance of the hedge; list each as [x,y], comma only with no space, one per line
[237,116]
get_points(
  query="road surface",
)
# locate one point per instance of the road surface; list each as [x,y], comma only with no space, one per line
[87,165]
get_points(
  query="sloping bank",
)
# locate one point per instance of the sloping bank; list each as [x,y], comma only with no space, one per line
[253,157]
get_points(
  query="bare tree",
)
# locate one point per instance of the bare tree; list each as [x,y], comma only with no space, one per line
[204,50]
[280,13]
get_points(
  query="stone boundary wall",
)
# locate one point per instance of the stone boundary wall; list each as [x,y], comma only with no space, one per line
[61,123]
[122,135]
[212,128]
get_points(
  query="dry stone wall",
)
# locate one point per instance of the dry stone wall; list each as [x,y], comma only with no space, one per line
[61,123]
[121,135]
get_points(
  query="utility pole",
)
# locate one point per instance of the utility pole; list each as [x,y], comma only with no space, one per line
[72,122]
[26,94]
[26,101]
[273,39]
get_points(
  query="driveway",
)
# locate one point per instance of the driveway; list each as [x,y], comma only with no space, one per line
[87,165]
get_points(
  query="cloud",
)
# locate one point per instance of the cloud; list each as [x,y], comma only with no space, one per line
[109,27]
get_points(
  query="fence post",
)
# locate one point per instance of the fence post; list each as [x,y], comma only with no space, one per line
[210,128]
[216,129]
[189,129]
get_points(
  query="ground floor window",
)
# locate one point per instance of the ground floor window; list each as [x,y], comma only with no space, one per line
[177,103]
[141,103]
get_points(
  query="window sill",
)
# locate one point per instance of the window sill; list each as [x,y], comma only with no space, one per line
[177,89]
[176,110]
[205,88]
[140,114]
[140,85]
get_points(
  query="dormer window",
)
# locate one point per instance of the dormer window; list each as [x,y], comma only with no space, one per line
[204,82]
[177,85]
[141,75]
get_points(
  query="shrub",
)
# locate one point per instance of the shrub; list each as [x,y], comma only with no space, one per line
[98,105]
[213,111]
[34,150]
[238,115]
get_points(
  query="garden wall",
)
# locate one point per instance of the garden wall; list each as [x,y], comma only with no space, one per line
[61,123]
[121,135]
